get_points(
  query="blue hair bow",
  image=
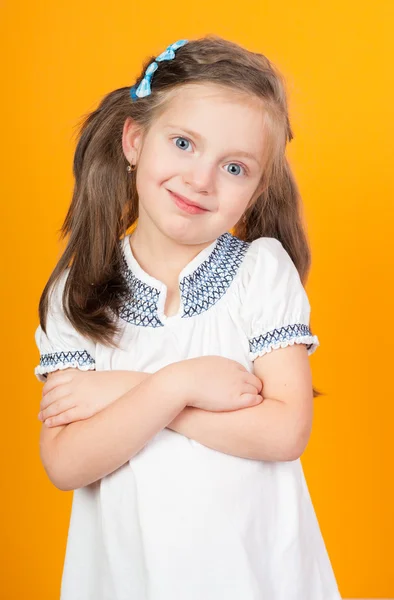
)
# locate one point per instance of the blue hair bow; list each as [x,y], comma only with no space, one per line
[144,88]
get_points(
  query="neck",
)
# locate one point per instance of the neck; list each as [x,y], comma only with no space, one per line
[160,256]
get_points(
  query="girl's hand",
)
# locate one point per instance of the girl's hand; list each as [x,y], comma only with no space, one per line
[72,395]
[217,384]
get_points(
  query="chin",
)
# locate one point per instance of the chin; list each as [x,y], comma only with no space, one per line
[188,234]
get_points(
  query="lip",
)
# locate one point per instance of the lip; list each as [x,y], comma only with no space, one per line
[186,204]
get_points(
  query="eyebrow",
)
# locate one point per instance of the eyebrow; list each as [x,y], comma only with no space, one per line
[199,137]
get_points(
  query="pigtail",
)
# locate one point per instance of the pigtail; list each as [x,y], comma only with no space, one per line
[100,213]
[105,200]
[277,213]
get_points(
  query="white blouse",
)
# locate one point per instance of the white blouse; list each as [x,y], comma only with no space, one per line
[181,521]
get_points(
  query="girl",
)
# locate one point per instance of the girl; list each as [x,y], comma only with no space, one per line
[178,394]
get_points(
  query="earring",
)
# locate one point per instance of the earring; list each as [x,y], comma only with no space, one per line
[131,168]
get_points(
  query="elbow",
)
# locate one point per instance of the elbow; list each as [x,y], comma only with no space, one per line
[56,474]
[59,481]
[297,443]
[294,452]
[300,426]
[64,473]
[291,438]
[289,449]
[51,459]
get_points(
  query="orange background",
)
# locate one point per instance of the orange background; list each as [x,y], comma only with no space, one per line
[59,59]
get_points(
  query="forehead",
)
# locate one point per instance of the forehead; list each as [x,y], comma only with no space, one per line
[216,113]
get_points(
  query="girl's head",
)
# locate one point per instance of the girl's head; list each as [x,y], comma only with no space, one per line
[210,130]
[213,129]
[207,144]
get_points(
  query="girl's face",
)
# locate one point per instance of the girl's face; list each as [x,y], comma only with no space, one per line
[200,163]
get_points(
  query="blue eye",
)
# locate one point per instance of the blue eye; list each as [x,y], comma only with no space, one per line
[236,167]
[182,139]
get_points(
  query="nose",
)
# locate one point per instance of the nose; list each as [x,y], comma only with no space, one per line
[200,177]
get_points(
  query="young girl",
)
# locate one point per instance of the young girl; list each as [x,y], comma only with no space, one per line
[178,395]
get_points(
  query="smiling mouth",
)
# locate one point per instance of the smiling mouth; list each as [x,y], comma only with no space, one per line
[186,205]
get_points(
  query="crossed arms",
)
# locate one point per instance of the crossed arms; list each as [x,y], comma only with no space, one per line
[276,429]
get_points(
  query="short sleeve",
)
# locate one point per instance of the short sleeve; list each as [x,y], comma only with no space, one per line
[61,347]
[276,310]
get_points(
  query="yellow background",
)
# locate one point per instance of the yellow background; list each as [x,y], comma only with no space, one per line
[59,59]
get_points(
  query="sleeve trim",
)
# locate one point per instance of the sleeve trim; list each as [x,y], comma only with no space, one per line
[282,337]
[54,361]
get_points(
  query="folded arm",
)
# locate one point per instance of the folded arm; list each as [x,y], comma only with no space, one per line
[82,452]
[278,429]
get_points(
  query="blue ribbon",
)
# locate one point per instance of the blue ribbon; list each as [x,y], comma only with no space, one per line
[144,88]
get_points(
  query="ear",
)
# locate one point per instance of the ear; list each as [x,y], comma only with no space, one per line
[131,140]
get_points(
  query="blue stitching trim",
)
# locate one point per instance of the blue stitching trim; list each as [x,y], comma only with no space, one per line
[210,281]
[288,332]
[140,307]
[199,291]
[74,357]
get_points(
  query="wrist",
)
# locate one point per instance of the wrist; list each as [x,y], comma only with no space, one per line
[134,378]
[172,382]
[127,380]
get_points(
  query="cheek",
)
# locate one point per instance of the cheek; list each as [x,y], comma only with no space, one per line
[152,156]
[234,203]
[149,176]
[158,167]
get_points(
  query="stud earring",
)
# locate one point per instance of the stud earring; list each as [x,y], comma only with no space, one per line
[131,168]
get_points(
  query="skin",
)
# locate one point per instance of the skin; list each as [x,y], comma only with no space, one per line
[206,167]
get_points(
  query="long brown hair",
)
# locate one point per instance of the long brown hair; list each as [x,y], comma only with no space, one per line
[105,201]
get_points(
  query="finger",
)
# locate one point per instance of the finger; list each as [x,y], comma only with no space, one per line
[255,381]
[248,388]
[54,396]
[49,385]
[252,399]
[69,416]
[58,378]
[56,408]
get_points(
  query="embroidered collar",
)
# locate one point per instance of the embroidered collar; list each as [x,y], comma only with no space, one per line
[202,282]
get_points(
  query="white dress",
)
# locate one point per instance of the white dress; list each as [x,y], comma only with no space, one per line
[181,521]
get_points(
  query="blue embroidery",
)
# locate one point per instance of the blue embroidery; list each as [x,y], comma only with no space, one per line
[203,288]
[283,334]
[75,358]
[140,307]
[199,291]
